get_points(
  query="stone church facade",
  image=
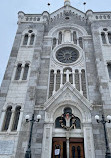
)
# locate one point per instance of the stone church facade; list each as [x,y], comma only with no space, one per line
[60,68]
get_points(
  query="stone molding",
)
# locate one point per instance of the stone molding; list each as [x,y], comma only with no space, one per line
[68,96]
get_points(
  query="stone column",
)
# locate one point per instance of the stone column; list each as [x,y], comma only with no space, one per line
[61,83]
[22,40]
[67,75]
[106,36]
[14,72]
[77,38]
[88,141]
[22,72]
[28,43]
[11,122]
[54,90]
[62,37]
[47,141]
[73,76]
[2,119]
[57,42]
[29,72]
[20,120]
[67,143]
[80,82]
[72,37]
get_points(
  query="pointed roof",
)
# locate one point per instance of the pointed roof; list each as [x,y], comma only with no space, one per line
[70,8]
[67,94]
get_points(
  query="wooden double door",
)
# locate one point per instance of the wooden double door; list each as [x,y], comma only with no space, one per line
[76,148]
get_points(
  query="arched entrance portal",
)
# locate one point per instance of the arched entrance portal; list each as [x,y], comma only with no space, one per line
[69,146]
[70,138]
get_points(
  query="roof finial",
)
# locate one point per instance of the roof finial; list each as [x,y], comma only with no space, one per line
[67,2]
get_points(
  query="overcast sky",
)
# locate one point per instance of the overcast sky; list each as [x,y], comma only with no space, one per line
[9,17]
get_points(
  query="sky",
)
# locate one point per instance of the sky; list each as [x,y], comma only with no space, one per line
[9,16]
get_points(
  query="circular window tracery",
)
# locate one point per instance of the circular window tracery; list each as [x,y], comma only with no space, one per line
[67,55]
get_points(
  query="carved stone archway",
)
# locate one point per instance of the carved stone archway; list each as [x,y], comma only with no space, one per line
[68,97]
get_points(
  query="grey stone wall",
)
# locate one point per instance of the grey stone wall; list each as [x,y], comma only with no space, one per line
[9,70]
[102,78]
[31,99]
[98,133]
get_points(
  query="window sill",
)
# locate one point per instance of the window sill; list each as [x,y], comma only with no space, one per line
[30,46]
[8,133]
[19,81]
[107,45]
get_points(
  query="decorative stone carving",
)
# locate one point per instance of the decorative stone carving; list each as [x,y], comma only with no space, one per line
[20,17]
[90,16]
[67,96]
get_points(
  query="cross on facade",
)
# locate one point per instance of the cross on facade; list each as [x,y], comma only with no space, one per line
[67,75]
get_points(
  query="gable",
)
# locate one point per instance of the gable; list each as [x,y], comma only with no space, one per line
[67,94]
[67,12]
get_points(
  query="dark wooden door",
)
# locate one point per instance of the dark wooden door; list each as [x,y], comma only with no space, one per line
[76,148]
[59,143]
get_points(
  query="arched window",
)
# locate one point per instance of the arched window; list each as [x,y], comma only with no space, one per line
[67,110]
[109,69]
[7,119]
[109,37]
[103,38]
[26,68]
[25,39]
[80,42]
[57,123]
[51,86]
[83,79]
[60,38]
[16,118]
[77,123]
[77,82]
[79,151]
[58,80]
[75,37]
[73,151]
[32,39]
[54,42]
[18,71]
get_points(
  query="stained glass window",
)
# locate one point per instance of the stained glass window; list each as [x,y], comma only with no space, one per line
[67,55]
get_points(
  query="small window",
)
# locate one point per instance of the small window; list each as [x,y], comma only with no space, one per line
[51,86]
[77,123]
[30,31]
[75,37]
[103,38]
[26,68]
[60,38]
[57,122]
[7,119]
[67,110]
[25,39]
[109,37]
[79,151]
[81,42]
[18,72]
[32,39]
[54,42]
[109,69]
[16,119]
